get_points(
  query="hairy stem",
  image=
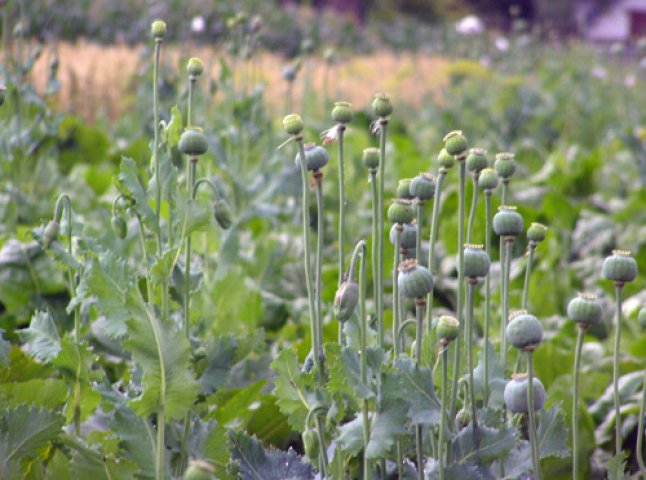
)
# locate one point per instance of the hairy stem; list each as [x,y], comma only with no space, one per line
[575,403]
[156,167]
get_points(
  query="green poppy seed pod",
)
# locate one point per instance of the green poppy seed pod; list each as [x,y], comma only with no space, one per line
[293,124]
[407,237]
[524,331]
[445,159]
[619,267]
[488,179]
[119,226]
[403,188]
[401,211]
[507,222]
[199,470]
[585,310]
[346,300]
[3,94]
[316,157]
[641,318]
[413,280]
[536,232]
[193,142]
[371,158]
[222,214]
[381,105]
[342,112]
[423,186]
[516,394]
[455,143]
[51,233]
[476,261]
[195,67]
[505,165]
[448,328]
[311,443]
[477,160]
[158,29]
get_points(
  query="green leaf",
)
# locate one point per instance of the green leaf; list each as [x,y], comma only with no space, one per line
[419,392]
[23,431]
[617,466]
[88,462]
[162,266]
[239,407]
[42,339]
[5,348]
[130,185]
[350,437]
[257,464]
[344,365]
[45,392]
[552,434]
[496,379]
[492,444]
[172,132]
[293,388]
[518,462]
[137,441]
[389,422]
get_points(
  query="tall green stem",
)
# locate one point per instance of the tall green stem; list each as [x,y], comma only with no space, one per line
[615,369]
[640,431]
[396,319]
[474,207]
[318,178]
[471,286]
[487,295]
[190,184]
[445,388]
[528,271]
[575,403]
[508,243]
[374,254]
[456,358]
[536,461]
[431,249]
[420,304]
[341,241]
[156,167]
[383,123]
[419,210]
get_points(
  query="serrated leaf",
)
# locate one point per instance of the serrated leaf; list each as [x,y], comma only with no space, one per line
[389,422]
[552,434]
[495,381]
[454,471]
[136,440]
[88,462]
[518,462]
[23,431]
[220,357]
[617,467]
[41,392]
[293,388]
[173,130]
[350,437]
[41,338]
[130,185]
[344,365]
[257,464]
[419,392]
[162,267]
[491,445]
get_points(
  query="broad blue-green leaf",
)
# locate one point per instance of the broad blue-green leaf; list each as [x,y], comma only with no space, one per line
[496,380]
[162,266]
[418,391]
[23,431]
[552,434]
[131,187]
[257,464]
[89,462]
[492,444]
[344,365]
[137,441]
[456,471]
[350,437]
[41,338]
[389,421]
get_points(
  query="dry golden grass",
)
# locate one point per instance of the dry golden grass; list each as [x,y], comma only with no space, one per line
[97,78]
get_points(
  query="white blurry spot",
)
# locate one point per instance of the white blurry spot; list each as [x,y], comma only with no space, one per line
[642,64]
[599,72]
[502,44]
[254,405]
[470,25]
[630,80]
[198,25]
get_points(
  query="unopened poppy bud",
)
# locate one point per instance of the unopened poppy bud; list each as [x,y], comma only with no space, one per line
[293,124]
[222,213]
[195,67]
[119,226]
[371,158]
[51,233]
[346,300]
[158,29]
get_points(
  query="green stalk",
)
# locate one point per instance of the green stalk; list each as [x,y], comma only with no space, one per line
[320,428]
[471,286]
[418,238]
[528,271]
[575,405]
[474,207]
[431,249]
[375,265]
[396,319]
[445,381]
[615,369]
[305,207]
[318,177]
[487,295]
[536,461]
[461,207]
[190,184]
[158,191]
[383,124]
[640,431]
[508,243]
[420,303]
[341,130]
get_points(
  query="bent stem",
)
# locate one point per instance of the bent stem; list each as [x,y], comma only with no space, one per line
[341,130]
[474,206]
[575,404]
[456,358]
[615,369]
[536,461]
[431,246]
[528,271]
[487,294]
